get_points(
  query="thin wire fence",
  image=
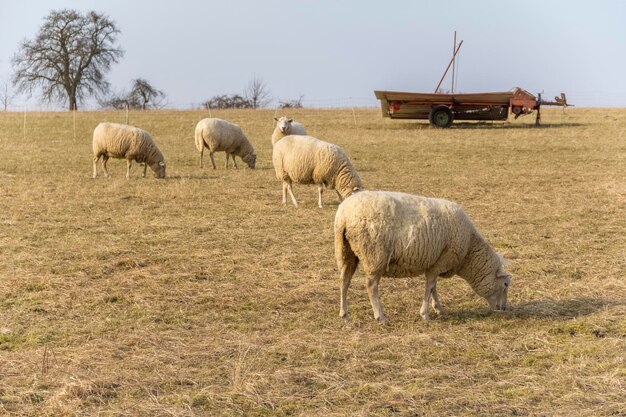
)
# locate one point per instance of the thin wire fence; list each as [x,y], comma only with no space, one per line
[579,98]
[347,102]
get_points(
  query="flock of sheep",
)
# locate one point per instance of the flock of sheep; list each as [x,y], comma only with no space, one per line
[389,234]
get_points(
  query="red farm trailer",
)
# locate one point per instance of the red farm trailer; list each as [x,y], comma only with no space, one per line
[442,109]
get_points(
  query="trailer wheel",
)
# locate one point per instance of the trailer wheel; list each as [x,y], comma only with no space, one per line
[441,116]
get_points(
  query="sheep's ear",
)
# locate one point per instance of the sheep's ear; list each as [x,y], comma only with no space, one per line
[500,273]
[161,163]
[290,120]
[275,119]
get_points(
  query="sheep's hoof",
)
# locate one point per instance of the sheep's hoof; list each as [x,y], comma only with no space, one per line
[382,321]
[424,315]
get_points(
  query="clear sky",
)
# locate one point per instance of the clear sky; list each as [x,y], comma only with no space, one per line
[338,52]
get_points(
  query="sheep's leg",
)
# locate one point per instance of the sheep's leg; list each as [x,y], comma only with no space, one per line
[320,189]
[284,193]
[202,158]
[347,271]
[234,161]
[212,160]
[95,166]
[372,291]
[431,281]
[293,198]
[105,159]
[128,164]
[436,302]
[145,169]
[227,156]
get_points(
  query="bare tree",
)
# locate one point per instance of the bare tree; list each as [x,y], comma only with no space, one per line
[6,94]
[69,57]
[141,96]
[256,93]
[143,92]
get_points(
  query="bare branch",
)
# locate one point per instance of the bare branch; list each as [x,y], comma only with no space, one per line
[256,93]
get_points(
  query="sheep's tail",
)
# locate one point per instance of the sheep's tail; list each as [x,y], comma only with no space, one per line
[199,140]
[344,254]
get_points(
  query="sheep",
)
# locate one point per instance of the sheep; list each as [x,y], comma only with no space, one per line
[220,135]
[129,142]
[307,160]
[285,127]
[395,234]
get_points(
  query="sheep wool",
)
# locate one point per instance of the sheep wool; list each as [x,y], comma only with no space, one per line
[402,235]
[114,140]
[285,127]
[307,160]
[219,135]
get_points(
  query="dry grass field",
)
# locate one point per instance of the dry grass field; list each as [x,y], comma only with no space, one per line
[202,295]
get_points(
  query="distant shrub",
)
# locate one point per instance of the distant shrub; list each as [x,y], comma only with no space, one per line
[291,104]
[233,101]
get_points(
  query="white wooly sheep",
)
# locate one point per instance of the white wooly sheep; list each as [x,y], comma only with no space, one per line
[285,127]
[307,160]
[114,140]
[219,135]
[402,235]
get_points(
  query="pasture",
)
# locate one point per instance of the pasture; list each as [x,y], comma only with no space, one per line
[202,294]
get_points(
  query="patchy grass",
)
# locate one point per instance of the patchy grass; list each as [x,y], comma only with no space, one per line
[202,295]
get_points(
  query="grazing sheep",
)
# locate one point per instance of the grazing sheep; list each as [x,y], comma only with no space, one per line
[401,235]
[220,135]
[285,127]
[122,141]
[307,160]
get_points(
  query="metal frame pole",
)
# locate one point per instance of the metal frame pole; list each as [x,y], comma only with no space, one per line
[448,68]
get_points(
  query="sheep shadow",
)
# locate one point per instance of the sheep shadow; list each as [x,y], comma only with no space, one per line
[190,177]
[541,309]
[564,309]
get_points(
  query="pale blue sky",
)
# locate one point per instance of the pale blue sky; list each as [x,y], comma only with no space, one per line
[338,52]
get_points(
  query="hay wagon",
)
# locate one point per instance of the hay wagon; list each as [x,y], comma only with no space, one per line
[442,110]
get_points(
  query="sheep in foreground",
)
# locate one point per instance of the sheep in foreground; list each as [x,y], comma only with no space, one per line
[401,235]
[307,160]
[219,135]
[123,141]
[285,127]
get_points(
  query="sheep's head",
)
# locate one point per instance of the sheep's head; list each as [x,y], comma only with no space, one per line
[284,124]
[159,169]
[498,298]
[250,159]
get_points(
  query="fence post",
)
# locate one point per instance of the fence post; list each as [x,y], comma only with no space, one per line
[126,108]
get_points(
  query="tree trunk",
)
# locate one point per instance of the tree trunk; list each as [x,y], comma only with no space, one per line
[73,105]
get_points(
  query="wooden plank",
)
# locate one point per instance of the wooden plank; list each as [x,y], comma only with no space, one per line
[495,98]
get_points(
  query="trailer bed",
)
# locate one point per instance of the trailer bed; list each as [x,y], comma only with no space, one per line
[441,109]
